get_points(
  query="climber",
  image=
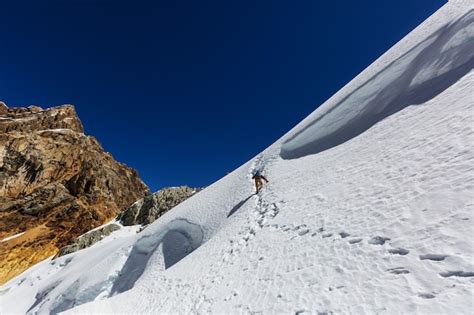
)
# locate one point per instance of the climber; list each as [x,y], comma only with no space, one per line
[259,178]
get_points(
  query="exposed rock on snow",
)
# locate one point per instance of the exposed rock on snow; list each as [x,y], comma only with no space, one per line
[142,212]
[55,184]
[88,239]
[150,208]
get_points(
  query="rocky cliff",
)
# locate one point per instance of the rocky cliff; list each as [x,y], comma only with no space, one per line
[55,184]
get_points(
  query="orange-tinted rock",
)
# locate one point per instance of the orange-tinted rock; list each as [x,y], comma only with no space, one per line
[55,184]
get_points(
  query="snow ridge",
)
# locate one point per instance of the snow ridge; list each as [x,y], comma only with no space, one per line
[416,77]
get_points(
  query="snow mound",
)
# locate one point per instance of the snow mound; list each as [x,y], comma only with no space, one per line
[416,77]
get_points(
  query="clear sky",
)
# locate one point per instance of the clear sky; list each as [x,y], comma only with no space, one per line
[186,91]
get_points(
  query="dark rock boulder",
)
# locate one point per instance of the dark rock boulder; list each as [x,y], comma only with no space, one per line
[88,239]
[150,208]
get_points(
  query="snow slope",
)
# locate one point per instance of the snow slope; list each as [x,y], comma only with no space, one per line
[378,220]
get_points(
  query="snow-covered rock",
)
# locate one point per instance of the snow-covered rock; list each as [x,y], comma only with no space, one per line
[377,222]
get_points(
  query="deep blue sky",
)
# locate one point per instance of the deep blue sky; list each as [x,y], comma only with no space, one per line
[186,91]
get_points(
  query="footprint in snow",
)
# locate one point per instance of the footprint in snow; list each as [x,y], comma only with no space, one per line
[296,228]
[320,197]
[398,270]
[399,251]
[433,257]
[303,232]
[344,234]
[426,296]
[378,240]
[65,262]
[355,240]
[458,273]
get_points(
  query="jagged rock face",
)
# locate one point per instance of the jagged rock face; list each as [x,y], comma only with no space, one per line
[88,239]
[34,118]
[150,208]
[55,184]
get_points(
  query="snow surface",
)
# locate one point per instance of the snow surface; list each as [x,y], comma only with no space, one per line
[12,237]
[58,130]
[378,223]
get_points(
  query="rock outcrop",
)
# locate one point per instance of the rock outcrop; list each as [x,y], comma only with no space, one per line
[142,212]
[88,239]
[150,208]
[55,184]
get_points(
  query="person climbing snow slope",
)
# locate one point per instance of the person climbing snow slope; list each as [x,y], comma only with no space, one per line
[259,178]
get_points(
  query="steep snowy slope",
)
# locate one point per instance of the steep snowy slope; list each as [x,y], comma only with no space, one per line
[376,219]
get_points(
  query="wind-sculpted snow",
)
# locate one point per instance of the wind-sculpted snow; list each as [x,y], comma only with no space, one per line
[178,239]
[416,77]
